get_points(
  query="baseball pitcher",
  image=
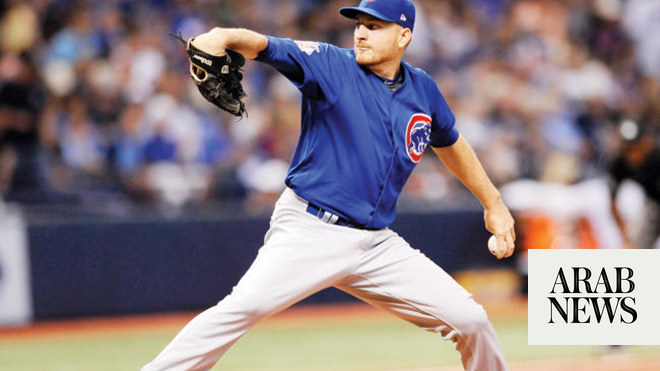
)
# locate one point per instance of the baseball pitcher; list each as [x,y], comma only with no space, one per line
[367,118]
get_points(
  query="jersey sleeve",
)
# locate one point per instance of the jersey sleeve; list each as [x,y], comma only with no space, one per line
[314,68]
[443,132]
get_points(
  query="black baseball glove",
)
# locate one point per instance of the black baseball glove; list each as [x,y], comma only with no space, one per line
[218,78]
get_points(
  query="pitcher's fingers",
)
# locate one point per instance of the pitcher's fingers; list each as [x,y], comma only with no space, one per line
[501,246]
[510,244]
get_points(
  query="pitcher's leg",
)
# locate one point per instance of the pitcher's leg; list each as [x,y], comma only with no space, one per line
[301,255]
[406,283]
[263,291]
[201,343]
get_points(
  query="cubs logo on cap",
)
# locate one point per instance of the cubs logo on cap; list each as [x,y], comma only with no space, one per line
[418,136]
[394,11]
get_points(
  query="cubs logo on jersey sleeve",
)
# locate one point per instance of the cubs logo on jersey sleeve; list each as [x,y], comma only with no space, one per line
[418,136]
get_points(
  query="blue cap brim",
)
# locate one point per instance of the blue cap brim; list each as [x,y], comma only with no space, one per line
[352,11]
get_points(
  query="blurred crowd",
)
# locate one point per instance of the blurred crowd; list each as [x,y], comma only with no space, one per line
[96,104]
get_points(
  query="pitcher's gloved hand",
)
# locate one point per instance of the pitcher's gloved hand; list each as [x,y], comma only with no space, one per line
[218,78]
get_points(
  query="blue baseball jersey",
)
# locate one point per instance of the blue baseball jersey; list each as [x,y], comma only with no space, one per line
[359,141]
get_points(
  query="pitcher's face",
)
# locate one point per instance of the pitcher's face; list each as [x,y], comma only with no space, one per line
[375,41]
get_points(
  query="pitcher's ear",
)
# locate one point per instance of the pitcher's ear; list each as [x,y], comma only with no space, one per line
[405,37]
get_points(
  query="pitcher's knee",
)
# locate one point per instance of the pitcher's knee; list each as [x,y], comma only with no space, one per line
[473,321]
[246,306]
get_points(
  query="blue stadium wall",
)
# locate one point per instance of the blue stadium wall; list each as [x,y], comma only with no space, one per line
[90,268]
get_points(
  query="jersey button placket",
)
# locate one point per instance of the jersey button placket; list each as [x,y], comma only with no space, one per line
[390,131]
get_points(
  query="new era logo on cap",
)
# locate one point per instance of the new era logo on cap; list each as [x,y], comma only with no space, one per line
[395,11]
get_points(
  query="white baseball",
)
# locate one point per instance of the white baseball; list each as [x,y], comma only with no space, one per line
[492,245]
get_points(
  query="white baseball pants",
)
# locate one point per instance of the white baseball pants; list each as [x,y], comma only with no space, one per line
[303,255]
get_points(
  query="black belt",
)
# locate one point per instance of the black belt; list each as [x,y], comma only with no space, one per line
[331,218]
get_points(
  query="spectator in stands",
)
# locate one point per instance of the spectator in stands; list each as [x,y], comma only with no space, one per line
[24,172]
[639,161]
[84,150]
